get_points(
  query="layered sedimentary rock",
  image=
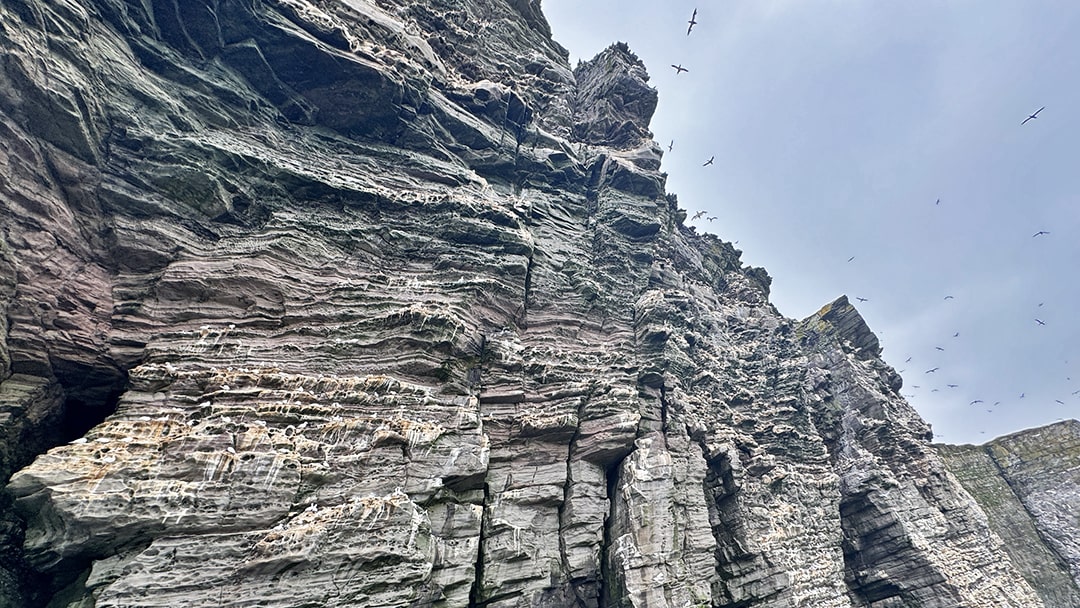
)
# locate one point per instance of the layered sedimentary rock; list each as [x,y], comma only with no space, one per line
[379,303]
[1028,483]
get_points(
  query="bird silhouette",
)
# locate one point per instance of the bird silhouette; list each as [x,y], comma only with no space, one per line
[1060,401]
[939,348]
[1040,321]
[1033,116]
[908,360]
[952,385]
[851,258]
[671,145]
[949,298]
[697,215]
[976,401]
[862,299]
[692,22]
[931,370]
[1039,233]
[937,202]
[956,335]
[711,218]
[709,162]
[679,69]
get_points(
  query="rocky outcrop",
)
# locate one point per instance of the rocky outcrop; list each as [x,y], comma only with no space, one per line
[378,303]
[1028,484]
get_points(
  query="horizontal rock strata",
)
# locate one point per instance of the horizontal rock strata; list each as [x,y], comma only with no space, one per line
[378,303]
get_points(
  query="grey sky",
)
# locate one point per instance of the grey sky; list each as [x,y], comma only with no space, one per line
[836,125]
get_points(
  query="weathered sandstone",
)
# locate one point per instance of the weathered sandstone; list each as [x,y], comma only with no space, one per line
[379,303]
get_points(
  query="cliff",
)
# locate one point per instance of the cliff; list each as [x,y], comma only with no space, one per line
[379,303]
[1028,484]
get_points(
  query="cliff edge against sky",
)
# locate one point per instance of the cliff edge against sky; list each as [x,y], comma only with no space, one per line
[378,302]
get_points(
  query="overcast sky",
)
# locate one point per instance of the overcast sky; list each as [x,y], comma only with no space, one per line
[837,125]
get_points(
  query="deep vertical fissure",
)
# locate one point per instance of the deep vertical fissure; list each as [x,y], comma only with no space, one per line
[608,586]
[476,592]
[523,322]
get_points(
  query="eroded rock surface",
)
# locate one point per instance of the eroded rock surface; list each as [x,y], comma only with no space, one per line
[379,303]
[1028,483]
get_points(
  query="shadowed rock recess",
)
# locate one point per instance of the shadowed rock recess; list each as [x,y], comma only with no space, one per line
[379,303]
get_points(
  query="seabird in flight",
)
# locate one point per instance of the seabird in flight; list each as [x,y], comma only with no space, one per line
[679,69]
[697,215]
[1035,115]
[953,385]
[693,22]
[1039,233]
[937,202]
[908,360]
[939,348]
[671,145]
[949,298]
[861,299]
[1060,401]
[709,162]
[851,258]
[711,218]
[976,401]
[932,370]
[1040,321]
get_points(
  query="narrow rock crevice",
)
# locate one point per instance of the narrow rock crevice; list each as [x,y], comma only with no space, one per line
[523,322]
[476,598]
[610,585]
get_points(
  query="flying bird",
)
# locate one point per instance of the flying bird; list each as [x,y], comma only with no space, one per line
[1033,116]
[1039,233]
[693,22]
[952,385]
[1060,401]
[1040,321]
[939,348]
[679,69]
[949,298]
[711,218]
[937,202]
[956,335]
[709,162]
[976,401]
[697,215]
[671,145]
[932,370]
[908,360]
[851,258]
[862,299]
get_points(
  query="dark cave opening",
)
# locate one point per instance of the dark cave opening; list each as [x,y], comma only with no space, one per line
[93,394]
[89,395]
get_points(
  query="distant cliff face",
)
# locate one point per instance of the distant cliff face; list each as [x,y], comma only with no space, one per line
[1028,484]
[376,302]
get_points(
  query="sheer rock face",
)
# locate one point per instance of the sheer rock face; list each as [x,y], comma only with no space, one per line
[1028,484]
[377,303]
